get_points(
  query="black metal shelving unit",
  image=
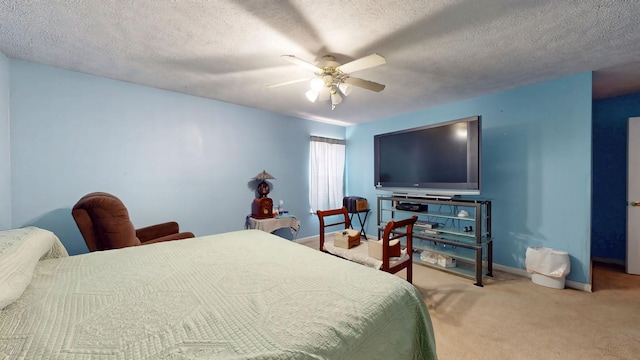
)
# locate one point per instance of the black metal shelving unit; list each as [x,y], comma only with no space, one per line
[463,232]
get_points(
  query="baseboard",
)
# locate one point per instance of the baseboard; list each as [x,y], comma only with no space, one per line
[308,240]
[521,272]
[577,285]
[511,270]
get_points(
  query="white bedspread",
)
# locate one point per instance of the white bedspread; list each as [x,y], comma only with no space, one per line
[239,295]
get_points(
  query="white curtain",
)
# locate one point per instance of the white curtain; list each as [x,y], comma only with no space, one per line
[326,173]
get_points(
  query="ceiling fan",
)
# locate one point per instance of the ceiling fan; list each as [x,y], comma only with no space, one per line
[332,79]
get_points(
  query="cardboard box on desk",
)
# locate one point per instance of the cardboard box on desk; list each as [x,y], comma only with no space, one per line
[355,203]
[346,239]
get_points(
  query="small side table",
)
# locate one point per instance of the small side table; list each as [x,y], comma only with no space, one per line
[361,220]
[272,224]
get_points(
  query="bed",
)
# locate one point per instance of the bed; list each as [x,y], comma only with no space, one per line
[239,295]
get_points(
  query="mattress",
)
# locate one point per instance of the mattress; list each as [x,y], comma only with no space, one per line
[239,295]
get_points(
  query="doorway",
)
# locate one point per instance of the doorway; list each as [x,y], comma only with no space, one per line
[610,276]
[610,119]
[633,197]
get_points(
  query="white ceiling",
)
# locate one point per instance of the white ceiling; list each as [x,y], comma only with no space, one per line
[437,51]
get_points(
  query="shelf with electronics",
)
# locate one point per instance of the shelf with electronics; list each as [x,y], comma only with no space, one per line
[452,235]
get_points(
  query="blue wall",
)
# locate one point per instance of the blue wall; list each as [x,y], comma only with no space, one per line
[609,209]
[5,158]
[536,166]
[168,156]
[171,156]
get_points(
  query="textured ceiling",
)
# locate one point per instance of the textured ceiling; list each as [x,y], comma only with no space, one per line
[437,51]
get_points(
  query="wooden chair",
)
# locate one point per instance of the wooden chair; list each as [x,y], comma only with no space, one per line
[393,230]
[322,214]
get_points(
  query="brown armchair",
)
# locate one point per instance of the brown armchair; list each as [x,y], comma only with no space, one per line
[104,223]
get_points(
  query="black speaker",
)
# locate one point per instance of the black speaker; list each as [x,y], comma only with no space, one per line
[355,203]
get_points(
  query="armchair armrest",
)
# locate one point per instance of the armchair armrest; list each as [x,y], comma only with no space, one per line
[177,236]
[157,231]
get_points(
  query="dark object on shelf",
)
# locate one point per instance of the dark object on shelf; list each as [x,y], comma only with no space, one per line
[412,207]
[104,223]
[355,203]
[427,224]
[262,208]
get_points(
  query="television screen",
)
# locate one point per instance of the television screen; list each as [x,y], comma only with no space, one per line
[440,159]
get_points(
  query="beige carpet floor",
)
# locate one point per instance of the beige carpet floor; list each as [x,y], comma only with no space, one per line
[513,318]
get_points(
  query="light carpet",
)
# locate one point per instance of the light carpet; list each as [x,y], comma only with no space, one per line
[513,318]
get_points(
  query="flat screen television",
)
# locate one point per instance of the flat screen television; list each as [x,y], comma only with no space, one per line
[433,160]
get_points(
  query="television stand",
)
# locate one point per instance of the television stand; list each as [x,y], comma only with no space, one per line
[460,241]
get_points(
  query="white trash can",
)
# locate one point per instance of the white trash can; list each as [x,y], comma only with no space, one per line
[548,267]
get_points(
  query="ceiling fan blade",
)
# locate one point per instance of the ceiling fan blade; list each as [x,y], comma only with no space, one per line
[288,82]
[365,84]
[362,63]
[300,62]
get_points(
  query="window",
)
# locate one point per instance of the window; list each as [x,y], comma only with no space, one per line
[326,173]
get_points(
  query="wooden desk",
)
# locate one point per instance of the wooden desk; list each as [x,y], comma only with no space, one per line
[273,224]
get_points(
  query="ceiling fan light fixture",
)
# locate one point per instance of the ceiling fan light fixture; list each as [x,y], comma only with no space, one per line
[335,98]
[312,95]
[332,80]
[345,88]
[317,84]
[328,80]
[325,94]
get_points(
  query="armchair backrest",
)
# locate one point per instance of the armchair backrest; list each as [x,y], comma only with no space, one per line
[343,219]
[104,222]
